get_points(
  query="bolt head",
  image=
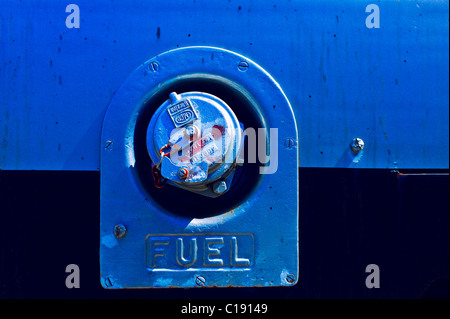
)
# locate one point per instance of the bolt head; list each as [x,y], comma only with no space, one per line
[357,145]
[220,187]
[119,230]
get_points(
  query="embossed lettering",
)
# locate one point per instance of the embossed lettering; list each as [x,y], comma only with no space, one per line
[188,252]
[179,107]
[235,260]
[210,252]
[184,117]
[181,260]
[156,249]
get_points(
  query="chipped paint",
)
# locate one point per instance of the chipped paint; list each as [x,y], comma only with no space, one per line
[109,241]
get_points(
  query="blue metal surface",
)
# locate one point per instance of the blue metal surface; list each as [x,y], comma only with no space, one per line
[388,86]
[210,155]
[247,239]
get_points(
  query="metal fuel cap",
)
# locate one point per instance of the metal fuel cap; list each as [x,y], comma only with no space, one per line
[195,138]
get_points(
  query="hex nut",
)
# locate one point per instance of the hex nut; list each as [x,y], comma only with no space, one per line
[220,187]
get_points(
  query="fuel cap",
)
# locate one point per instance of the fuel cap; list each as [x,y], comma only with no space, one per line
[195,138]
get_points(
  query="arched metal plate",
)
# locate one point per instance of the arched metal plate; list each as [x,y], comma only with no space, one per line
[253,244]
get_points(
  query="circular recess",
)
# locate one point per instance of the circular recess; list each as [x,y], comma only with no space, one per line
[246,88]
[179,201]
[198,132]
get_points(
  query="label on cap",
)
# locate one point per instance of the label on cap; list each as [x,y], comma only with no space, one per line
[182,113]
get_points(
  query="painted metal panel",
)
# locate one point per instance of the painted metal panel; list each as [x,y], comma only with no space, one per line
[242,238]
[387,85]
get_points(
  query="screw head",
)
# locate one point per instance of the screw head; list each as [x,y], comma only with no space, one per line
[243,66]
[289,143]
[183,173]
[357,145]
[200,281]
[290,278]
[109,281]
[153,66]
[220,187]
[119,231]
[109,145]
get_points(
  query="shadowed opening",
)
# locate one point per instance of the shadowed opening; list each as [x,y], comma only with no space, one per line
[182,202]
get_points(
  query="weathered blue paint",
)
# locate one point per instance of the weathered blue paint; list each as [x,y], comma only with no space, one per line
[251,242]
[388,86]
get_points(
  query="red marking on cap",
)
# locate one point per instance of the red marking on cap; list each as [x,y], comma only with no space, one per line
[218,131]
